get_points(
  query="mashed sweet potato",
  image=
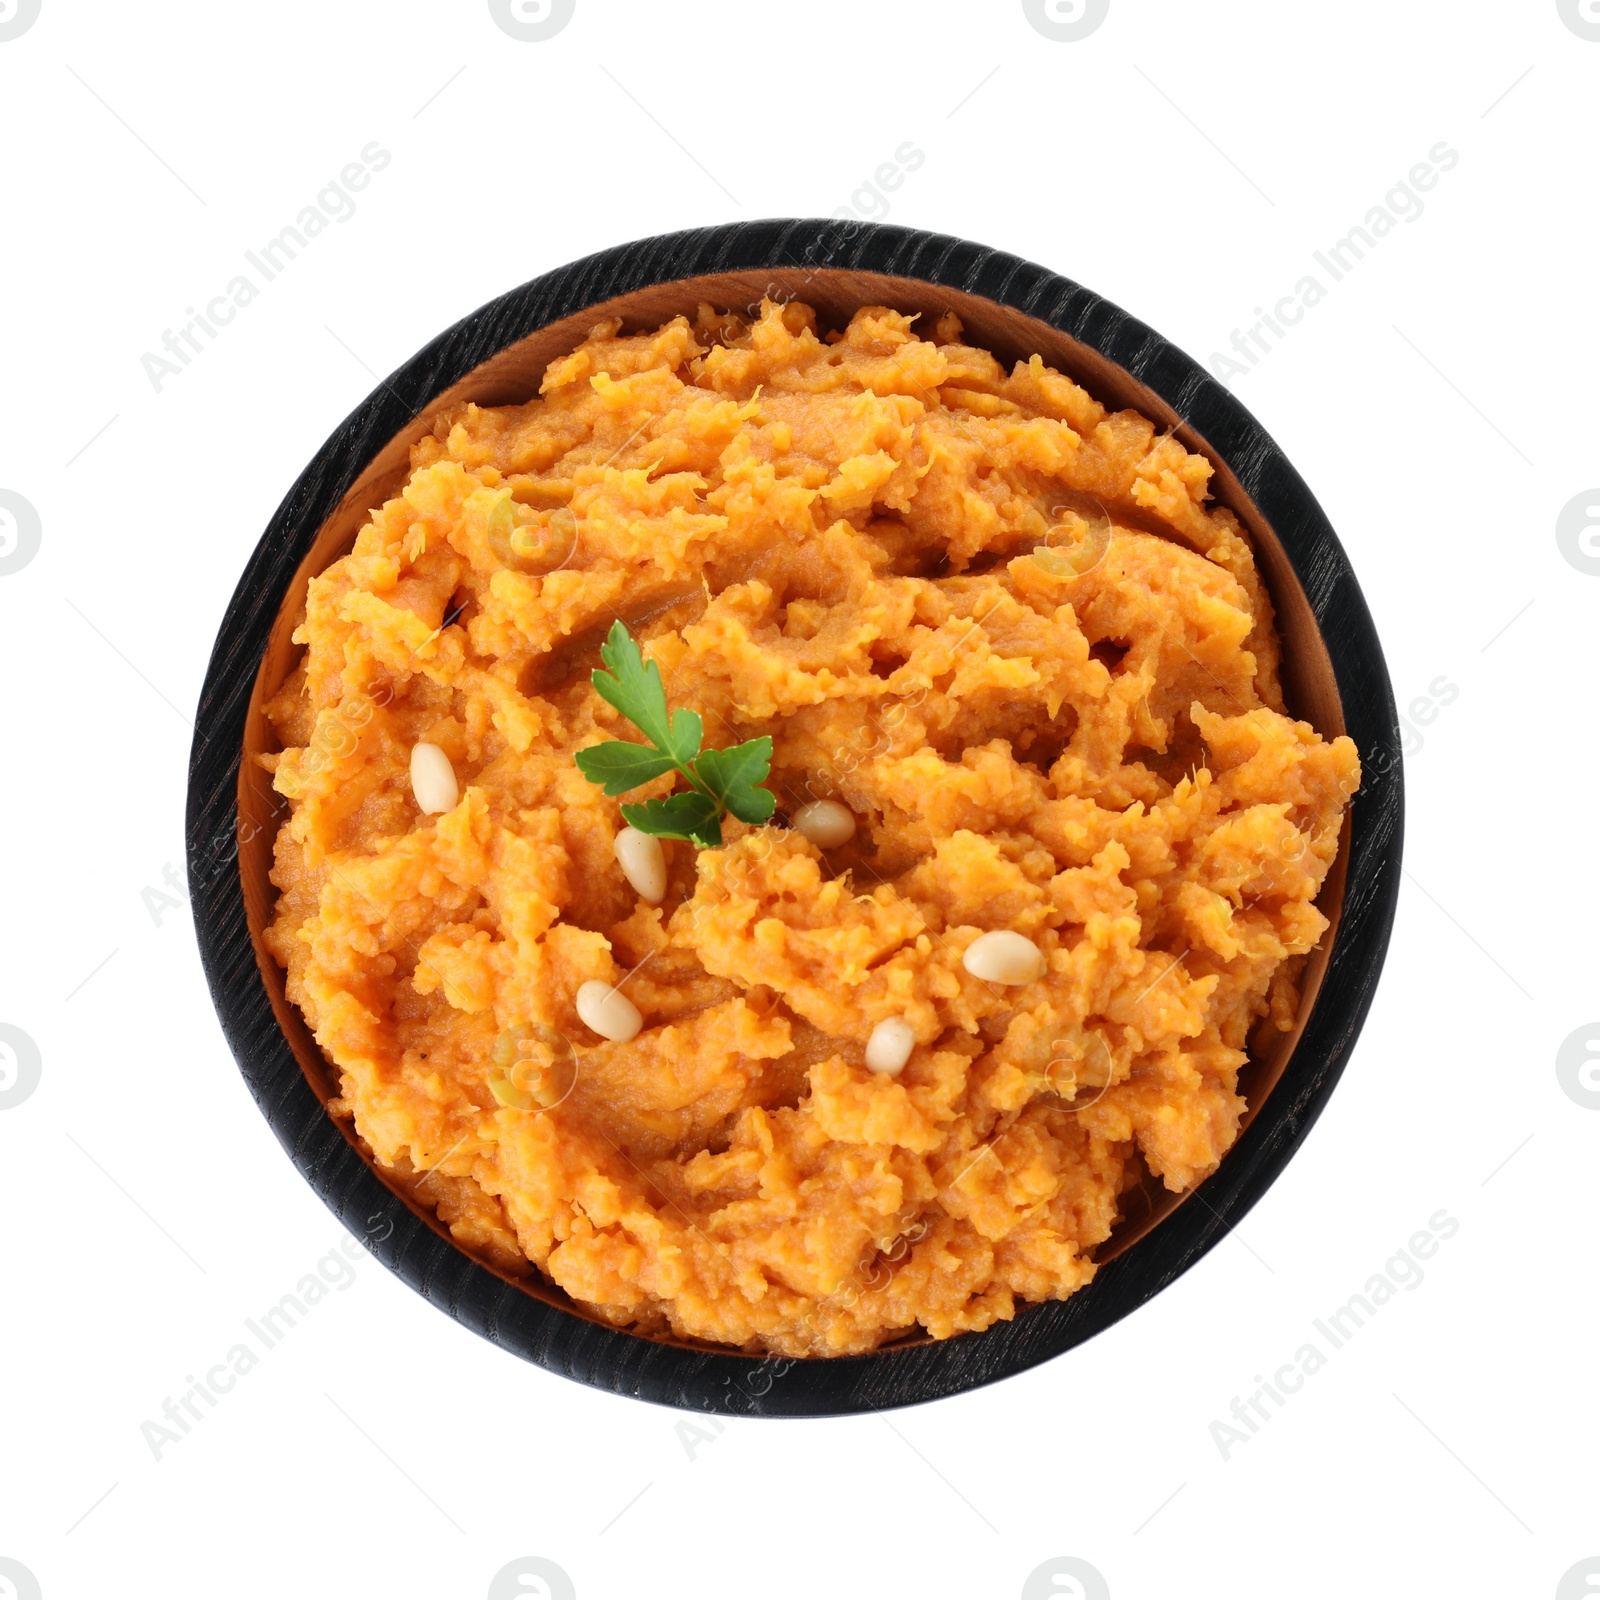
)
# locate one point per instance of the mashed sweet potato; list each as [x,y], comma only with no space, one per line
[1000,624]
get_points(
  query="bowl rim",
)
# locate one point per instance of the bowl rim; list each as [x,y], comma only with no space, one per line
[708,1380]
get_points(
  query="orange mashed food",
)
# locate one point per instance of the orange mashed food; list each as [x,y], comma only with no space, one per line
[999,623]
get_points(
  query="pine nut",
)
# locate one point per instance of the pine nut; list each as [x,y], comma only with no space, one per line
[1004,957]
[889,1047]
[826,823]
[608,1013]
[433,779]
[643,863]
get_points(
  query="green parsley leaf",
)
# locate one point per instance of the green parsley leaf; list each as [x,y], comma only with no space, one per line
[620,766]
[722,782]
[688,814]
[731,776]
[634,687]
[684,738]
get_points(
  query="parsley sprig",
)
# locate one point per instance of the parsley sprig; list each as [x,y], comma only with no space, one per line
[722,782]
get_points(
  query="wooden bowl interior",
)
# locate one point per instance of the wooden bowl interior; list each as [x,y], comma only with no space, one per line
[513,376]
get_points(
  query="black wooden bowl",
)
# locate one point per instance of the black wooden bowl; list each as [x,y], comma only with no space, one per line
[1334,675]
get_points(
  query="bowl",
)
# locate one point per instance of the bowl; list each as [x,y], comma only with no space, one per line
[1333,675]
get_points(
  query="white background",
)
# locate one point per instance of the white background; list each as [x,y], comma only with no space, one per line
[1184,161]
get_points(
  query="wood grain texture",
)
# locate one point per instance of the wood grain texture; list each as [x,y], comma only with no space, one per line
[1335,675]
